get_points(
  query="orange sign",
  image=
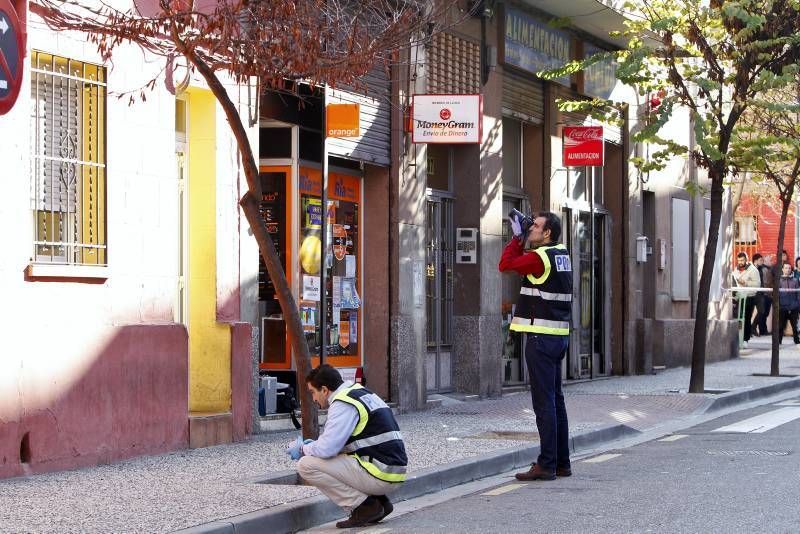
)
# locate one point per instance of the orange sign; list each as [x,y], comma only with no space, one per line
[341,120]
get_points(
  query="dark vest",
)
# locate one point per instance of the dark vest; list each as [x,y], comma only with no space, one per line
[545,303]
[376,441]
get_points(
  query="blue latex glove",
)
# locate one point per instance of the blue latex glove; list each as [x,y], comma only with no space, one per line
[295,448]
[516,228]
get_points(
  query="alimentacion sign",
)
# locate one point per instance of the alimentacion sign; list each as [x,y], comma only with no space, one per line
[583,146]
[448,119]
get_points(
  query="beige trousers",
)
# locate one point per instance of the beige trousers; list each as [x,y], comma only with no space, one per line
[342,479]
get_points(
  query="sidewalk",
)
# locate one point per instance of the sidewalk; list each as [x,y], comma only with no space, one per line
[192,487]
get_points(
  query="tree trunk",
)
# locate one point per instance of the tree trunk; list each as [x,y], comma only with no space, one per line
[697,379]
[249,204]
[777,271]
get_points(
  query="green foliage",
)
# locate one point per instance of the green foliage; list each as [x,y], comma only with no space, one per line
[714,59]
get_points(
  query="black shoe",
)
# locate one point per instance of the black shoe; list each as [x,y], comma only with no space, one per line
[365,513]
[387,507]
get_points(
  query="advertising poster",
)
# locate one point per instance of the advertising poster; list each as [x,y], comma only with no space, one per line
[350,266]
[308,315]
[349,298]
[311,288]
[344,334]
[353,325]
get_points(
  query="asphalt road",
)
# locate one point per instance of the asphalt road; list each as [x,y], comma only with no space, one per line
[703,479]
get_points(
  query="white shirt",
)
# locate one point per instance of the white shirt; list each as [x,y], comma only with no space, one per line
[342,420]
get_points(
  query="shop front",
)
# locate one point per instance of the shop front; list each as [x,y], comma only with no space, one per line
[329,284]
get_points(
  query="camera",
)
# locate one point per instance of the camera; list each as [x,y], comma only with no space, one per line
[525,221]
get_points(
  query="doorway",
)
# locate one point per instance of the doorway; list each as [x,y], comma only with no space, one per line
[586,236]
[440,248]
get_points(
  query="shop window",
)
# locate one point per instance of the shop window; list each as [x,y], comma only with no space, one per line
[439,166]
[68,144]
[512,154]
[342,274]
[581,179]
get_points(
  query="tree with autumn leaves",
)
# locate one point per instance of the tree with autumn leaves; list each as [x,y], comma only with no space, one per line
[276,42]
[713,58]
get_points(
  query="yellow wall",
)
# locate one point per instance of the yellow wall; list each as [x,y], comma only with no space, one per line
[209,341]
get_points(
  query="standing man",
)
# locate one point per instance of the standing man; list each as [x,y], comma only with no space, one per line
[762,300]
[360,457]
[544,313]
[746,275]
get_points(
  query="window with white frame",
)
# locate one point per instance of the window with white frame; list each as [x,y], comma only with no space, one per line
[745,230]
[68,144]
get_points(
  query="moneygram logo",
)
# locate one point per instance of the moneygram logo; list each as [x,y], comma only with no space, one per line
[445,114]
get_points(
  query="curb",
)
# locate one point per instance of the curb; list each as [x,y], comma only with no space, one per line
[732,398]
[314,511]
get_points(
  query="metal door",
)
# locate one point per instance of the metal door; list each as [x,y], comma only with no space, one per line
[440,247]
[587,237]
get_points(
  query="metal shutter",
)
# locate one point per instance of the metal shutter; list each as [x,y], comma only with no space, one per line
[523,98]
[372,94]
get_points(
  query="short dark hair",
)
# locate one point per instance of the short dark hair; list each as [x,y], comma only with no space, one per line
[756,256]
[325,375]
[552,223]
[744,255]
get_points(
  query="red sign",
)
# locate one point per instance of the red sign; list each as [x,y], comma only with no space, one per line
[12,52]
[583,146]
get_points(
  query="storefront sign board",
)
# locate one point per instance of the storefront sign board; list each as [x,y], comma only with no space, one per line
[342,120]
[451,119]
[583,146]
[532,45]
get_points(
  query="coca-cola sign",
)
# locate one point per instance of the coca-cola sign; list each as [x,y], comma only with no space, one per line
[583,145]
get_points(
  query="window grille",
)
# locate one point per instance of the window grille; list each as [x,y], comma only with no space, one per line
[68,145]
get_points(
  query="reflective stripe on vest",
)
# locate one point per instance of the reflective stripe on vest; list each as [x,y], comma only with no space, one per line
[533,292]
[540,326]
[389,439]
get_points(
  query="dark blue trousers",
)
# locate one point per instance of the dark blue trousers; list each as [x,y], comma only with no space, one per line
[543,354]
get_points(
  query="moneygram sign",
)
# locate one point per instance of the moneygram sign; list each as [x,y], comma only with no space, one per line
[583,146]
[447,119]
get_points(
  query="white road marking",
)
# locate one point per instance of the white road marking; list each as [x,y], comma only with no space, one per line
[793,402]
[601,458]
[761,423]
[673,437]
[503,489]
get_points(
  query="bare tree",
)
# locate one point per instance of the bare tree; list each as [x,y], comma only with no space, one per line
[277,42]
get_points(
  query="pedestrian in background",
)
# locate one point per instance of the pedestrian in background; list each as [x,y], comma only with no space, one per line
[763,300]
[789,302]
[360,457]
[746,275]
[544,314]
[797,267]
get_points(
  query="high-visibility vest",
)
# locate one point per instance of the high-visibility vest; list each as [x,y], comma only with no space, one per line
[545,302]
[376,441]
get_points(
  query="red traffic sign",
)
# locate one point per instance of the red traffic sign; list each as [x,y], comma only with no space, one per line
[12,52]
[583,145]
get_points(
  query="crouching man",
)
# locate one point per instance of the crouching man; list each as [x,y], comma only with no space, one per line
[360,457]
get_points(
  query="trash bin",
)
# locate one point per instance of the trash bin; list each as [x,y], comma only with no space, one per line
[270,386]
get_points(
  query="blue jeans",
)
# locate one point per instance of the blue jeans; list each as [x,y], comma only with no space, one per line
[543,354]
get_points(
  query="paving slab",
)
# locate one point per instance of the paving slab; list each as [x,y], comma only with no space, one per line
[209,486]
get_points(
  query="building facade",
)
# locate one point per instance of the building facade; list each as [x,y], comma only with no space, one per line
[122,329]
